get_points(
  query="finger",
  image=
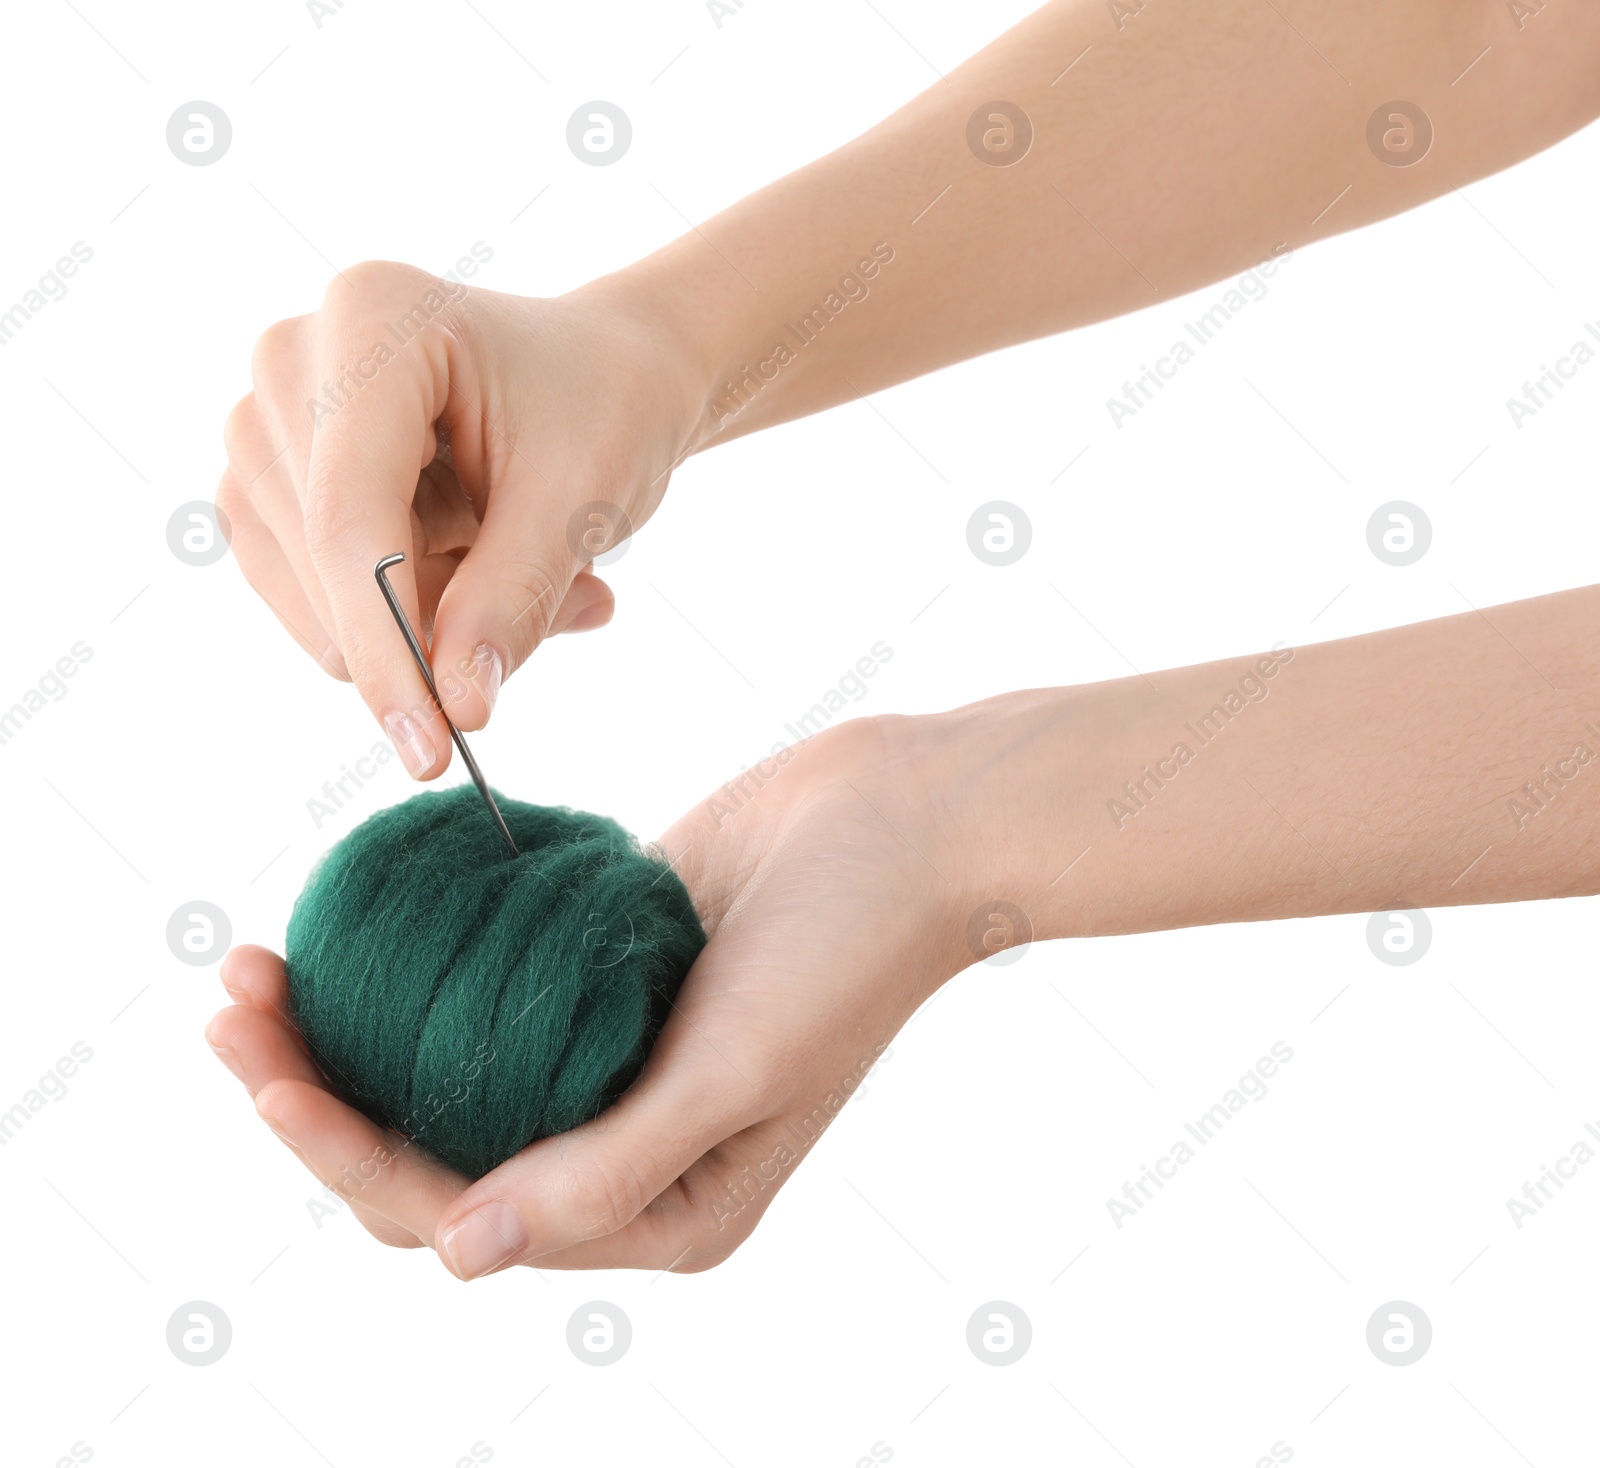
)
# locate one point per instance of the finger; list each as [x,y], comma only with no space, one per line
[256,976]
[268,571]
[508,595]
[264,457]
[366,456]
[257,1047]
[598,1178]
[383,1230]
[357,1158]
[702,1217]
[254,1039]
[469,686]
[589,603]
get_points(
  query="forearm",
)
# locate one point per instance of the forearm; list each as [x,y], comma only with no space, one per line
[1187,143]
[1447,762]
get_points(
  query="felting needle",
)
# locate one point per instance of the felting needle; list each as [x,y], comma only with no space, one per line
[380,574]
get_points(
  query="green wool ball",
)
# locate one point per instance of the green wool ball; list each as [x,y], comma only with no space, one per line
[476,1001]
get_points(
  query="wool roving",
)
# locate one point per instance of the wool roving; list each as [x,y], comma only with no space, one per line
[476,1001]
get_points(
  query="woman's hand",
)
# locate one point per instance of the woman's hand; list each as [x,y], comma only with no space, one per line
[498,441]
[843,880]
[829,883]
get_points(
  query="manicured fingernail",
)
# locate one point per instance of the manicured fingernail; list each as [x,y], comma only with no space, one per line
[228,1058]
[485,1239]
[488,673]
[410,742]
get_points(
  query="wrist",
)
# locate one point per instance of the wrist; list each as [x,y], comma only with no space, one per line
[654,370]
[975,799]
[796,340]
[1014,777]
[1118,807]
[693,315]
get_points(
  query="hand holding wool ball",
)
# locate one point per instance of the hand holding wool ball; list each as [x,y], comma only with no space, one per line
[448,1011]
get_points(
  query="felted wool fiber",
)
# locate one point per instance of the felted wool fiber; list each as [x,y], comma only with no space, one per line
[475,1001]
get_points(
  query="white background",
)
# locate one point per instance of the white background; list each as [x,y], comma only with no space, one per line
[1232,1311]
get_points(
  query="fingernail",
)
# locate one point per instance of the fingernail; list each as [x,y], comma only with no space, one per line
[485,1239]
[488,674]
[410,742]
[228,1058]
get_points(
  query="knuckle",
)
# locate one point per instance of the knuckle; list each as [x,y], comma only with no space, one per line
[371,281]
[365,665]
[855,741]
[707,1255]
[329,515]
[610,468]
[610,1196]
[229,498]
[276,350]
[532,597]
[726,1207]
[242,427]
[876,743]
[715,1242]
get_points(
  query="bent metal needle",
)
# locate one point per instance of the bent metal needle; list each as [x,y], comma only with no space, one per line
[379,573]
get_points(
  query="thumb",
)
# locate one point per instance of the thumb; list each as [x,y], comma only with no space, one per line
[523,580]
[593,1182]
